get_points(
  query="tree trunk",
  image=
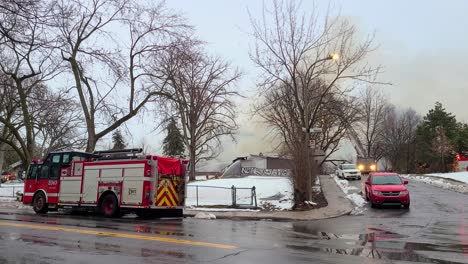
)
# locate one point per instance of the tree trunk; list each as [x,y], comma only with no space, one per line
[2,155]
[91,143]
[192,163]
[302,174]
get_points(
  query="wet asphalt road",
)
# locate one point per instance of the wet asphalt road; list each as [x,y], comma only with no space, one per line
[434,230]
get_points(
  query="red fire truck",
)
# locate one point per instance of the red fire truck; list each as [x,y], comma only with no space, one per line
[462,161]
[111,182]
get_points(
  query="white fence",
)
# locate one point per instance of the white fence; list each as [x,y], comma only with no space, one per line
[10,190]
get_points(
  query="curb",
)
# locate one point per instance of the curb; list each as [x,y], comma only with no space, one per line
[266,217]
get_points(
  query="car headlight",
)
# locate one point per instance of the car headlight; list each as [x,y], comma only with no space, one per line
[372,167]
[377,192]
[404,192]
[360,167]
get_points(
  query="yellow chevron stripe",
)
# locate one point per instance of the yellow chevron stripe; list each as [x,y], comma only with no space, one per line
[161,202]
[161,192]
[171,199]
[174,192]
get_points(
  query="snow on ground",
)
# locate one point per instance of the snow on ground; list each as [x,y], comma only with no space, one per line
[272,192]
[10,203]
[207,209]
[344,185]
[356,198]
[204,177]
[10,190]
[202,215]
[317,188]
[458,176]
[440,181]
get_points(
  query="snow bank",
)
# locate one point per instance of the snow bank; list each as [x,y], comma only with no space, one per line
[458,176]
[356,198]
[344,185]
[438,181]
[272,192]
[202,215]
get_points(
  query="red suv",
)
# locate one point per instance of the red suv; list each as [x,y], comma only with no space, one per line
[386,188]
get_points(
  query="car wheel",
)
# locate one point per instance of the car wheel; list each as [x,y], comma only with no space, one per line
[39,203]
[109,206]
[406,206]
[367,197]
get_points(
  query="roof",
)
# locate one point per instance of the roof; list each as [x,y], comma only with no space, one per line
[69,151]
[383,173]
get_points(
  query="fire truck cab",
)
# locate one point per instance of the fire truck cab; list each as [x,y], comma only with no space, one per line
[111,182]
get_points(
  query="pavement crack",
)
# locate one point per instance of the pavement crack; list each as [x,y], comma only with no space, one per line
[230,255]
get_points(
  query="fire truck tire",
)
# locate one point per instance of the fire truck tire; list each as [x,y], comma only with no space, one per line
[109,205]
[39,203]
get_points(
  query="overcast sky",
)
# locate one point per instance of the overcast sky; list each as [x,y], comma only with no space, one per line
[423,46]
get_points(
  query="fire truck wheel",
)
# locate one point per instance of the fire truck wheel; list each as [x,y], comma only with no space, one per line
[109,206]
[39,203]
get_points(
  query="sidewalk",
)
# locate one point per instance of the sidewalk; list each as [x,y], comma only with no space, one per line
[338,205]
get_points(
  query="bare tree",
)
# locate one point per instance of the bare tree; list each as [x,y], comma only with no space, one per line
[202,94]
[113,72]
[368,131]
[58,123]
[8,108]
[295,54]
[399,138]
[27,59]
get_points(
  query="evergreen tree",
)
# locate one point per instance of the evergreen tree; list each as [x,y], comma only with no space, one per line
[438,131]
[118,140]
[173,144]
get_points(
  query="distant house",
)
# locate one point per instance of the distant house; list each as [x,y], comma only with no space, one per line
[261,165]
[17,169]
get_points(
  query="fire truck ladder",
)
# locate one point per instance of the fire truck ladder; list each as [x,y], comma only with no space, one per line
[117,154]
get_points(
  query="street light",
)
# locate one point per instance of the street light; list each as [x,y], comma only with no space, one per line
[334,56]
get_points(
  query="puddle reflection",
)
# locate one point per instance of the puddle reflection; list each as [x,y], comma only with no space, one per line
[377,244]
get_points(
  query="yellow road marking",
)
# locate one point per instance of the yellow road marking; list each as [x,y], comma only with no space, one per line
[122,235]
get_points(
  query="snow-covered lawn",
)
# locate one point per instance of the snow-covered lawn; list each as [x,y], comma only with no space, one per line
[458,176]
[441,180]
[10,190]
[356,198]
[272,192]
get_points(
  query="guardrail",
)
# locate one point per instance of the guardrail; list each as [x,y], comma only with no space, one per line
[235,201]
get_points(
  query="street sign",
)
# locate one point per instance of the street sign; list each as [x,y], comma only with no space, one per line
[315,130]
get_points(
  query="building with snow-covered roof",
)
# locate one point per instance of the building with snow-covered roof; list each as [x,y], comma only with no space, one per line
[261,165]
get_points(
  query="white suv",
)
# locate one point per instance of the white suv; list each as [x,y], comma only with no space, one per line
[348,171]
